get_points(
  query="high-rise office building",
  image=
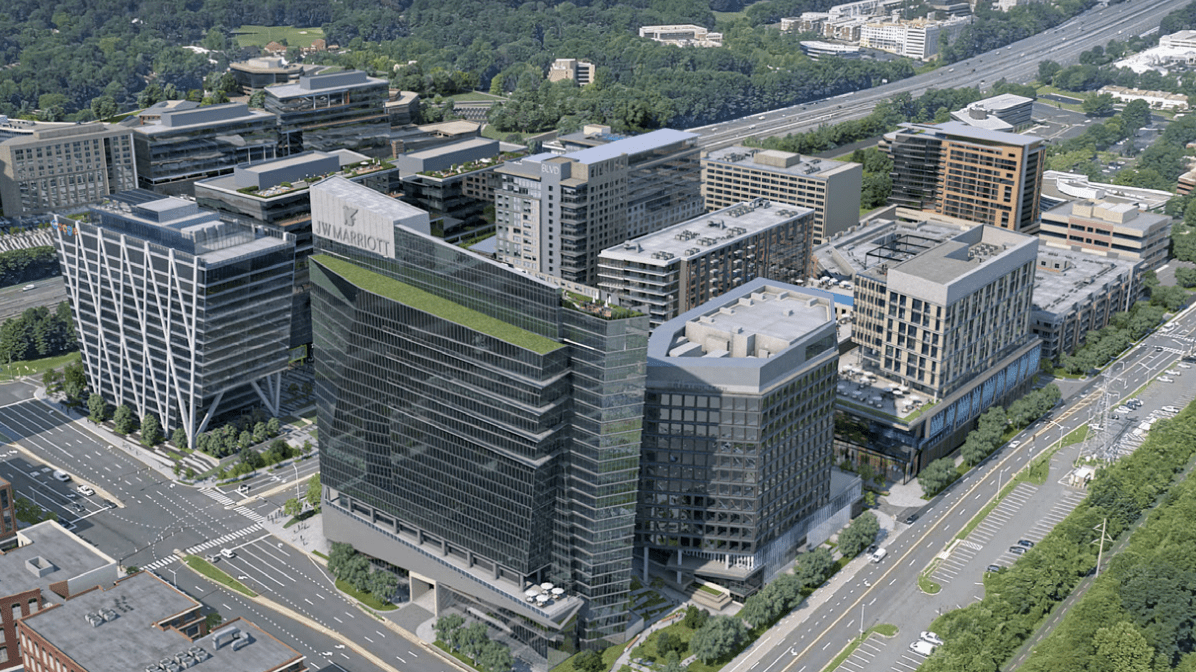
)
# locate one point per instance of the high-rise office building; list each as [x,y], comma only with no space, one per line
[55,169]
[738,424]
[831,188]
[554,214]
[178,313]
[337,110]
[672,271]
[475,429]
[983,176]
[178,142]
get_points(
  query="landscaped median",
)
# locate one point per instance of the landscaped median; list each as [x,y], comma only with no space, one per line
[218,575]
[886,630]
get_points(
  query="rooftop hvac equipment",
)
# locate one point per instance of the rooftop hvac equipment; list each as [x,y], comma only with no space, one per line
[692,250]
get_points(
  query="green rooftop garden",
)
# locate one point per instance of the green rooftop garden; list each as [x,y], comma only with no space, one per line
[350,171]
[470,166]
[418,299]
[585,304]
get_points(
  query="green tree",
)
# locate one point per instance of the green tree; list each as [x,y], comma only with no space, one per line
[1123,648]
[446,628]
[495,657]
[589,661]
[473,640]
[245,439]
[252,459]
[937,475]
[292,507]
[672,663]
[1098,105]
[259,432]
[151,430]
[123,420]
[74,380]
[104,107]
[666,642]
[179,438]
[273,426]
[717,639]
[382,585]
[1186,277]
[859,534]
[814,567]
[695,618]
[1170,297]
[312,496]
[213,619]
[97,408]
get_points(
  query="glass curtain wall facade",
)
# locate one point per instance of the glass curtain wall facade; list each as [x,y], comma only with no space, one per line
[480,421]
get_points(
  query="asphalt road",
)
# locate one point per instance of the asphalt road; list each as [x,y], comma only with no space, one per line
[887,592]
[16,300]
[1017,62]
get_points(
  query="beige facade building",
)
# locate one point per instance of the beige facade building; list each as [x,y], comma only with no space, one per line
[917,38]
[1159,100]
[1118,230]
[581,72]
[685,35]
[831,188]
[59,168]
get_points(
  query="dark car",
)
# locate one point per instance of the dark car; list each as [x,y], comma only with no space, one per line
[1025,543]
[993,568]
[1017,550]
[910,520]
[871,549]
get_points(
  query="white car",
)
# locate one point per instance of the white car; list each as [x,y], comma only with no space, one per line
[922,648]
[60,475]
[1165,379]
[931,638]
[1171,409]
[1183,365]
[228,553]
[26,288]
[1173,372]
[86,490]
[1014,444]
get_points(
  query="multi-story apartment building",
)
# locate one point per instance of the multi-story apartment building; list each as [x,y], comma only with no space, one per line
[337,110]
[738,428]
[48,565]
[142,623]
[475,429]
[917,38]
[178,142]
[1118,230]
[581,72]
[205,333]
[670,272]
[1076,292]
[274,194]
[983,176]
[55,169]
[831,188]
[449,182]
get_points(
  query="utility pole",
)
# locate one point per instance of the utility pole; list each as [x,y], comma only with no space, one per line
[1104,536]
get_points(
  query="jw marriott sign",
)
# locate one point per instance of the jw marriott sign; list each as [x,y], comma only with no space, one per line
[357,216]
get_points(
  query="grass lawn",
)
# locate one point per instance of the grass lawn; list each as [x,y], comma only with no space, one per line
[609,655]
[364,598]
[260,36]
[300,518]
[710,591]
[924,581]
[34,367]
[488,131]
[218,575]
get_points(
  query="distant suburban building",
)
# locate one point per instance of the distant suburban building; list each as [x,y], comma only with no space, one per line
[916,38]
[1159,100]
[685,35]
[1006,112]
[554,214]
[257,73]
[142,623]
[738,430]
[48,565]
[675,270]
[1076,292]
[1176,51]
[436,180]
[817,49]
[60,168]
[581,72]
[510,415]
[402,108]
[333,110]
[205,333]
[1186,184]
[1118,230]
[275,194]
[1006,5]
[987,177]
[177,142]
[831,188]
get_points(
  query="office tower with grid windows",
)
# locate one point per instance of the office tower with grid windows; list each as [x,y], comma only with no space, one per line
[336,110]
[59,168]
[738,429]
[178,313]
[476,428]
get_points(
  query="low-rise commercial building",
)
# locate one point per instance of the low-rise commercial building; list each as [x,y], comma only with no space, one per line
[450,183]
[409,139]
[48,565]
[831,188]
[1059,187]
[817,49]
[672,271]
[178,143]
[683,35]
[141,623]
[916,38]
[206,333]
[255,74]
[60,168]
[572,69]
[1006,112]
[738,428]
[1076,292]
[1117,230]
[1159,100]
[337,110]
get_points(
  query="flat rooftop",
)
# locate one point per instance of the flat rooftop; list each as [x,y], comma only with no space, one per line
[636,144]
[1064,279]
[69,555]
[310,85]
[957,130]
[130,640]
[700,235]
[774,317]
[210,117]
[963,254]
[1004,101]
[229,182]
[1059,186]
[1122,215]
[774,161]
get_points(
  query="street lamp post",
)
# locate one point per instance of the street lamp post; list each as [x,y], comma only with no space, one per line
[1000,475]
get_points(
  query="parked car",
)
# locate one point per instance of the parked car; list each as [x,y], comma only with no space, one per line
[922,648]
[1025,543]
[1017,550]
[931,638]
[1171,409]
[86,490]
[60,475]
[993,568]
[909,520]
[1165,379]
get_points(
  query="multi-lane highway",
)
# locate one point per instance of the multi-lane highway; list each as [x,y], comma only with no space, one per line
[16,299]
[888,592]
[1017,62]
